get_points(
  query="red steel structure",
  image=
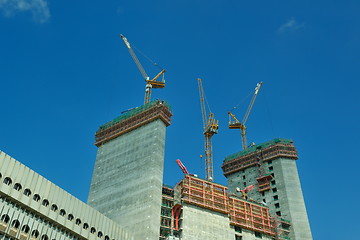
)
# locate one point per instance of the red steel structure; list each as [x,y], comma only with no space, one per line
[176,213]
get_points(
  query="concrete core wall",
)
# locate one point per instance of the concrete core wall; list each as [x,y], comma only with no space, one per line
[127,180]
[291,200]
[200,224]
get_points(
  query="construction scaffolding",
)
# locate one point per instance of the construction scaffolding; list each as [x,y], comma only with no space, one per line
[274,149]
[282,227]
[133,119]
[242,213]
[264,182]
[250,216]
[204,194]
[166,212]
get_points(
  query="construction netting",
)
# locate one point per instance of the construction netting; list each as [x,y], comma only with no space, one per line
[257,147]
[133,112]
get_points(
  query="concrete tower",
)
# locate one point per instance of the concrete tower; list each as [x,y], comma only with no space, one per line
[271,167]
[126,184]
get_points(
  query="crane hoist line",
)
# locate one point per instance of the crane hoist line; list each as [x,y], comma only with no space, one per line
[234,123]
[155,82]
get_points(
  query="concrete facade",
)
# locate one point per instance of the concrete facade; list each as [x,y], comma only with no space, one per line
[199,223]
[126,184]
[245,234]
[284,197]
[32,207]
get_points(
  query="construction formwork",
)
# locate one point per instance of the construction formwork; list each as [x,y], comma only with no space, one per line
[282,228]
[204,194]
[273,149]
[133,119]
[223,206]
[126,183]
[251,216]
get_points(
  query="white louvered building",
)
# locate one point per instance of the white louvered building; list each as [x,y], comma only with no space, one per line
[32,207]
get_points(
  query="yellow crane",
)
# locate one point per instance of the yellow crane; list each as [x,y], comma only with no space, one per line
[234,123]
[211,126]
[150,83]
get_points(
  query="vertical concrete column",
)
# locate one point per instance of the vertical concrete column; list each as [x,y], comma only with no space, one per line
[292,200]
[127,179]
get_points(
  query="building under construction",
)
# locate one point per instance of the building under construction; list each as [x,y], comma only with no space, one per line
[129,201]
[130,156]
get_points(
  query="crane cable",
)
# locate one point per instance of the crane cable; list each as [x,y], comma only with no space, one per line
[155,64]
[269,114]
[207,103]
[251,92]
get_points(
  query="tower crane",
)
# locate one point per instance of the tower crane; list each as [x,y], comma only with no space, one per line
[236,124]
[210,128]
[150,83]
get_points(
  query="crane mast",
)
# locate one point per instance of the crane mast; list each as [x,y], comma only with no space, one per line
[150,83]
[210,126]
[236,124]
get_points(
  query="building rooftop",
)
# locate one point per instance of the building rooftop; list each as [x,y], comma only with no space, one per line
[256,147]
[132,112]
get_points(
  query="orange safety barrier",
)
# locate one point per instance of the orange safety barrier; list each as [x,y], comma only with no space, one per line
[250,216]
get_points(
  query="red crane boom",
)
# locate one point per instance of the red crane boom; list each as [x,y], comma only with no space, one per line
[182,166]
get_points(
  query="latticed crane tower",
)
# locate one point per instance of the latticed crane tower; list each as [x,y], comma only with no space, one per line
[210,128]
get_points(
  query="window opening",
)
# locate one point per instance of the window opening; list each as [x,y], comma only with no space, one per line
[62,212]
[15,224]
[45,202]
[238,229]
[36,197]
[17,186]
[27,192]
[258,235]
[5,218]
[7,181]
[25,228]
[54,207]
[44,237]
[35,234]
[86,226]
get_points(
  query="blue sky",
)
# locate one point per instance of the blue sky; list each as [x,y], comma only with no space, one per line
[64,71]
